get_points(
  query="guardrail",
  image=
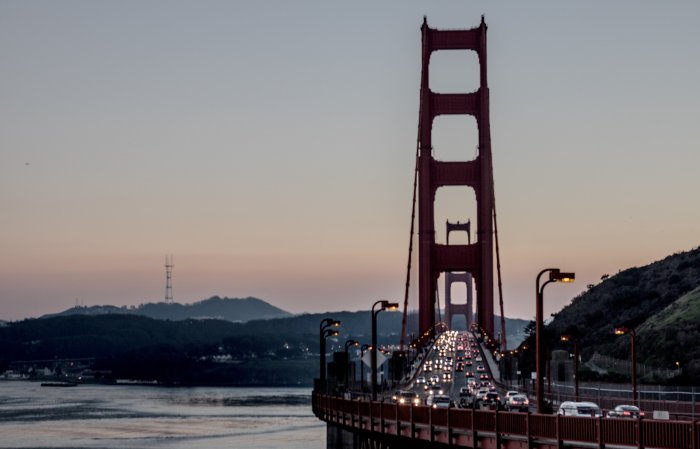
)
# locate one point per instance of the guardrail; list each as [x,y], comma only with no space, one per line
[492,429]
[607,399]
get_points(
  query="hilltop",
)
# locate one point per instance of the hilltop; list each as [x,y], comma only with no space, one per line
[229,309]
[660,300]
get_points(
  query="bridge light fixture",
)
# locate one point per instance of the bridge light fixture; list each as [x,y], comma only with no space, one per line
[633,337]
[325,331]
[570,338]
[555,275]
[383,305]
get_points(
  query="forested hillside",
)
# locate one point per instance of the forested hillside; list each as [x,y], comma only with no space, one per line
[661,301]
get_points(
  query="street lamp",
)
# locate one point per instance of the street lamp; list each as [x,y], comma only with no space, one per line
[384,305]
[633,335]
[363,348]
[324,333]
[573,341]
[349,343]
[555,275]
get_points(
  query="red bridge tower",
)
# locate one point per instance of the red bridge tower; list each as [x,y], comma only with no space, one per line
[475,258]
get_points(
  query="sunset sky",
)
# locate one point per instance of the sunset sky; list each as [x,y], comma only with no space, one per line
[269,146]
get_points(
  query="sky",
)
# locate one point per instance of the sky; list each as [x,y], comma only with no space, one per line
[269,146]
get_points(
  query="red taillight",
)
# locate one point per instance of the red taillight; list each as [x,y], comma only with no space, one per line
[626,413]
[641,413]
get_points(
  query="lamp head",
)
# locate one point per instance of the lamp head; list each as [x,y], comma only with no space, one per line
[566,338]
[621,330]
[329,322]
[331,333]
[559,276]
[392,306]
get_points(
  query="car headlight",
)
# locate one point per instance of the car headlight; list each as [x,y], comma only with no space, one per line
[402,400]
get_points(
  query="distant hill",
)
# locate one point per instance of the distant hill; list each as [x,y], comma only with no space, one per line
[660,300]
[256,313]
[278,351]
[229,309]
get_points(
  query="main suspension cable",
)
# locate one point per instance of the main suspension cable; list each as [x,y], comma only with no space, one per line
[410,242]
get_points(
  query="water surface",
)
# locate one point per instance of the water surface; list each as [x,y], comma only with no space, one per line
[98,416]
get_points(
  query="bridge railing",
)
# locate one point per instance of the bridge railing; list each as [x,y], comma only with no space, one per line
[462,427]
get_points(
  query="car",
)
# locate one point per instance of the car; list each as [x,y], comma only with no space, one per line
[469,374]
[446,377]
[434,379]
[481,393]
[420,380]
[441,401]
[435,389]
[464,391]
[571,408]
[517,403]
[625,411]
[484,376]
[480,368]
[471,381]
[406,397]
[510,393]
[489,400]
[478,358]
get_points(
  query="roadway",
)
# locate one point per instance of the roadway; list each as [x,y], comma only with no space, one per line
[455,362]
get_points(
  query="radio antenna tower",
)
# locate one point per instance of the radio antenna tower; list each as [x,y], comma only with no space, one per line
[169,279]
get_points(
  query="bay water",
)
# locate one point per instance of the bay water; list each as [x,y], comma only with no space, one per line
[133,416]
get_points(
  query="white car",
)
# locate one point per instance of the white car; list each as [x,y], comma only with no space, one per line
[570,408]
[510,393]
[420,380]
[440,401]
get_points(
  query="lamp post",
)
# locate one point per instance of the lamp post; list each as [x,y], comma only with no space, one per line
[573,341]
[384,305]
[349,343]
[633,335]
[555,275]
[324,332]
[363,348]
